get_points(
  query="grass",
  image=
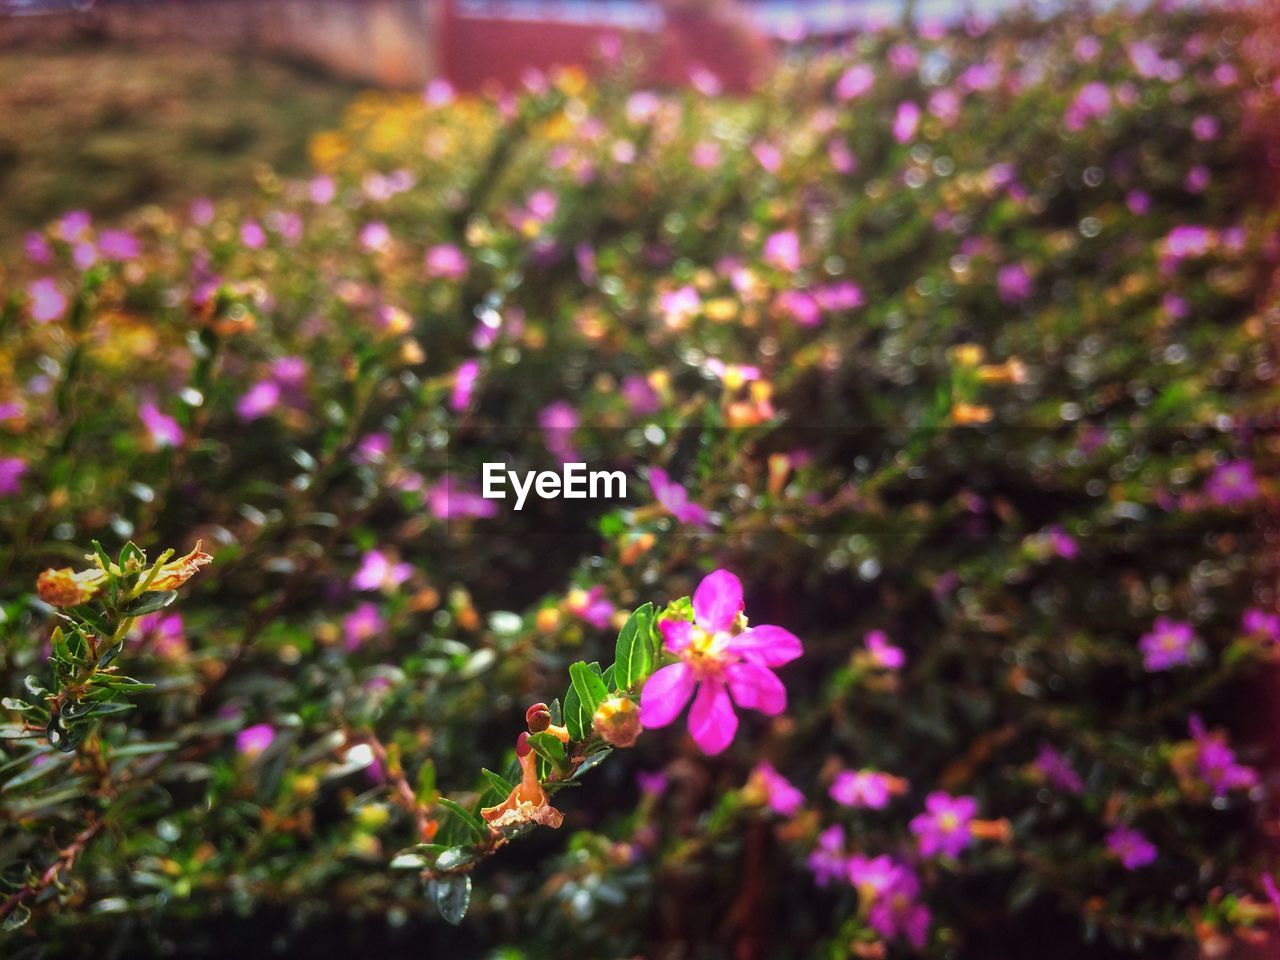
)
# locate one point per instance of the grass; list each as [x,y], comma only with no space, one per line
[108,128]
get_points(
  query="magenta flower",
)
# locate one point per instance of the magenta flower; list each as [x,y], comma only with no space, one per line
[724,668]
[260,400]
[1232,483]
[377,572]
[883,653]
[906,121]
[781,795]
[47,302]
[1091,103]
[801,307]
[375,236]
[1062,543]
[676,499]
[1013,283]
[640,396]
[1130,847]
[444,261]
[252,235]
[11,471]
[1056,770]
[558,422]
[865,788]
[893,890]
[372,448]
[162,633]
[119,245]
[854,82]
[679,306]
[37,248]
[1170,643]
[164,430]
[782,250]
[652,783]
[252,741]
[827,861]
[464,385]
[361,625]
[591,605]
[1259,623]
[451,498]
[944,826]
[1216,762]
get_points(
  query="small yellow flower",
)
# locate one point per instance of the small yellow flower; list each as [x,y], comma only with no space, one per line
[67,588]
[177,572]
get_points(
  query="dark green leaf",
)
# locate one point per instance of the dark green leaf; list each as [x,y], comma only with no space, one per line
[590,689]
[634,660]
[549,747]
[477,826]
[499,783]
[150,602]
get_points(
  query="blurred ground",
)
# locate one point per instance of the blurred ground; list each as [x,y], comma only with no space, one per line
[107,129]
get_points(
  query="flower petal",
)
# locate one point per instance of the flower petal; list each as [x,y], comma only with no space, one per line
[676,634]
[712,722]
[665,694]
[756,688]
[717,601]
[767,644]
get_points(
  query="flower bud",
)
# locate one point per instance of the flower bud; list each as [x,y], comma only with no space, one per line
[617,721]
[538,717]
[522,745]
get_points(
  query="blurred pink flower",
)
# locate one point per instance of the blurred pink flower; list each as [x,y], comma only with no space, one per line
[883,653]
[260,400]
[11,471]
[781,795]
[944,825]
[827,860]
[1170,643]
[782,250]
[1130,847]
[865,788]
[675,498]
[445,261]
[1057,771]
[854,82]
[47,301]
[906,121]
[1232,484]
[164,429]
[591,606]
[361,625]
[252,741]
[377,572]
[451,498]
[464,385]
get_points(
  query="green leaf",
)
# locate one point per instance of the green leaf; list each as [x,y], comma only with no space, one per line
[550,749]
[452,895]
[576,719]
[634,657]
[17,918]
[499,783]
[591,762]
[150,602]
[591,692]
[477,826]
[426,782]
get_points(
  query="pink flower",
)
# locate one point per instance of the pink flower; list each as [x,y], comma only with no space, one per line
[675,498]
[1062,543]
[361,625]
[679,306]
[1056,770]
[464,385]
[1014,283]
[450,498]
[854,82]
[724,668]
[252,741]
[322,190]
[1170,643]
[162,633]
[906,121]
[781,795]
[802,308]
[377,572]
[827,861]
[782,250]
[445,262]
[558,422]
[1205,127]
[252,235]
[865,788]
[1259,623]
[1130,847]
[883,653]
[591,605]
[375,236]
[896,912]
[164,430]
[768,156]
[1232,484]
[261,399]
[11,471]
[843,160]
[47,301]
[1216,762]
[639,394]
[944,826]
[118,245]
[1091,103]
[372,448]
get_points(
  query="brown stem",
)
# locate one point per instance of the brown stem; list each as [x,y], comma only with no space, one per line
[64,861]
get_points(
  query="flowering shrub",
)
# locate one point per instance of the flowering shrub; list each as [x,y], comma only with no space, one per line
[949,357]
